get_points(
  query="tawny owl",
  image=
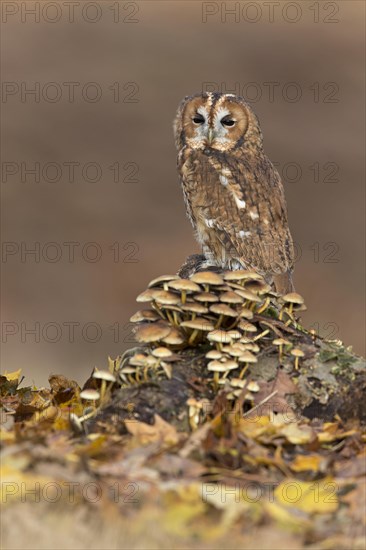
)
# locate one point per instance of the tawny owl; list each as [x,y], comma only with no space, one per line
[234,196]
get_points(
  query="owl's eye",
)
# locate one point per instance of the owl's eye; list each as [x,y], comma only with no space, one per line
[198,119]
[227,121]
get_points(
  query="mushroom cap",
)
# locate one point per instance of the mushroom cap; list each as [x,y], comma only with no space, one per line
[104,375]
[184,284]
[217,366]
[207,278]
[237,383]
[144,315]
[206,297]
[253,386]
[247,357]
[247,327]
[233,351]
[199,323]
[230,364]
[280,342]
[193,307]
[252,346]
[248,295]
[162,279]
[219,335]
[231,297]
[165,297]
[152,332]
[293,298]
[297,352]
[261,287]
[141,360]
[161,352]
[214,354]
[245,313]
[223,309]
[90,394]
[174,338]
[240,275]
[146,296]
[128,370]
[234,334]
[170,307]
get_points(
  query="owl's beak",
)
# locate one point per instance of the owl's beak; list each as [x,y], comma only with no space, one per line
[210,136]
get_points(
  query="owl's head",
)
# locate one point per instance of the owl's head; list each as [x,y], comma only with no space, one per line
[221,122]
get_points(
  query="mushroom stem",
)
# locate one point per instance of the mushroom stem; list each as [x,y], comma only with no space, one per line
[192,336]
[243,371]
[263,306]
[259,336]
[219,321]
[103,389]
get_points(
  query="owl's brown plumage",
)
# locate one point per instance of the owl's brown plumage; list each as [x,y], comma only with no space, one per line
[234,195]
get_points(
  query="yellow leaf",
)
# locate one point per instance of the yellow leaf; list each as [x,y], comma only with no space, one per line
[256,427]
[304,463]
[310,497]
[13,376]
[297,434]
[160,431]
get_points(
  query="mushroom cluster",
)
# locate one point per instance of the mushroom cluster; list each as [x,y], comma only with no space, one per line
[225,311]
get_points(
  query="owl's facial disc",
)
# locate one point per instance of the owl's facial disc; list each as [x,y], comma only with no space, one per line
[214,124]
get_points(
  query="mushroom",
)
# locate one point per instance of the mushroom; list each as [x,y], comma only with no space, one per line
[174,338]
[297,353]
[165,297]
[248,295]
[246,326]
[126,374]
[214,354]
[247,357]
[292,299]
[207,279]
[280,342]
[241,275]
[105,376]
[184,286]
[245,313]
[144,315]
[146,295]
[222,310]
[194,308]
[199,324]
[152,332]
[206,297]
[165,279]
[194,409]
[216,367]
[166,309]
[162,353]
[231,297]
[234,334]
[229,365]
[219,337]
[90,395]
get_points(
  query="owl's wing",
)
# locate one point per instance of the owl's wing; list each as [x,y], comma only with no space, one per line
[249,212]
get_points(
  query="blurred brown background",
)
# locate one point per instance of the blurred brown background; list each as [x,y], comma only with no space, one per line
[301,67]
